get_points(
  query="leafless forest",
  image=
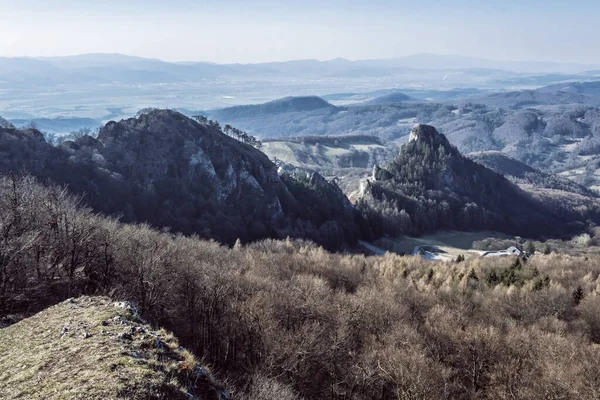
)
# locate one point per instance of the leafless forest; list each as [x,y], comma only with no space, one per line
[288,320]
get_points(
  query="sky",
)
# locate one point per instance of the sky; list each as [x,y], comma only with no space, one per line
[228,31]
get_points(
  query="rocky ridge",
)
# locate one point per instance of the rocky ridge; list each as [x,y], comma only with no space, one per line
[171,171]
[94,348]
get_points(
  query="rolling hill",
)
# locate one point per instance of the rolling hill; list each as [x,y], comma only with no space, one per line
[582,88]
[320,153]
[280,119]
[530,98]
[548,136]
[391,98]
[521,173]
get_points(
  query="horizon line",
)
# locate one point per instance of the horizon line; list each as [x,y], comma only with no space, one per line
[344,59]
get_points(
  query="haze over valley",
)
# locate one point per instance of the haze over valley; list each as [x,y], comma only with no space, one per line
[108,86]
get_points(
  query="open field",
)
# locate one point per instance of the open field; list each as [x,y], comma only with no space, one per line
[449,243]
[345,153]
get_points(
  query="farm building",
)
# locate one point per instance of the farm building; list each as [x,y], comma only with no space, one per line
[511,251]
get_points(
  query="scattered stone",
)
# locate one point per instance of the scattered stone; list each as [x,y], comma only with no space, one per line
[65,329]
[128,306]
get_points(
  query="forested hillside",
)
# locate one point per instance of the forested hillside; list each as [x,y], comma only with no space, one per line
[431,186]
[288,320]
[521,173]
[170,171]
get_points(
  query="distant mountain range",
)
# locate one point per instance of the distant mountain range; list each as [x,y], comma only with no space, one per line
[564,93]
[416,61]
[111,68]
[110,86]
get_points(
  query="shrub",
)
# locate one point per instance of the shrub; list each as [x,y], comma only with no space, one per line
[578,295]
[583,240]
[529,247]
[473,275]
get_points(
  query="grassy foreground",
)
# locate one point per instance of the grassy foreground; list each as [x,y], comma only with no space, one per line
[93,348]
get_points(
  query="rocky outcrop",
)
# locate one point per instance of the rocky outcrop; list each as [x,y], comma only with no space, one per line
[427,137]
[171,171]
[432,186]
[105,351]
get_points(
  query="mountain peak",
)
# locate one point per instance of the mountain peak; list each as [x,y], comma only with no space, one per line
[432,176]
[422,136]
[171,171]
[423,132]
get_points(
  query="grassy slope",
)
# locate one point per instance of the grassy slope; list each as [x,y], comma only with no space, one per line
[306,156]
[84,349]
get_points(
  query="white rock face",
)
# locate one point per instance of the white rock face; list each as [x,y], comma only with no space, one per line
[200,158]
[363,184]
[227,185]
[413,136]
[249,179]
[276,210]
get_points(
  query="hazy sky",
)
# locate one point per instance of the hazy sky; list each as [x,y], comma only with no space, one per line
[269,30]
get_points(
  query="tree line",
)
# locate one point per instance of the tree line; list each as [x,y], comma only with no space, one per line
[230,131]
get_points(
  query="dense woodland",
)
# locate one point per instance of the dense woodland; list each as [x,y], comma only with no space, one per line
[288,320]
[522,174]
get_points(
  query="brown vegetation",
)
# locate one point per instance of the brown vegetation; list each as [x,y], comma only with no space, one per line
[288,320]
